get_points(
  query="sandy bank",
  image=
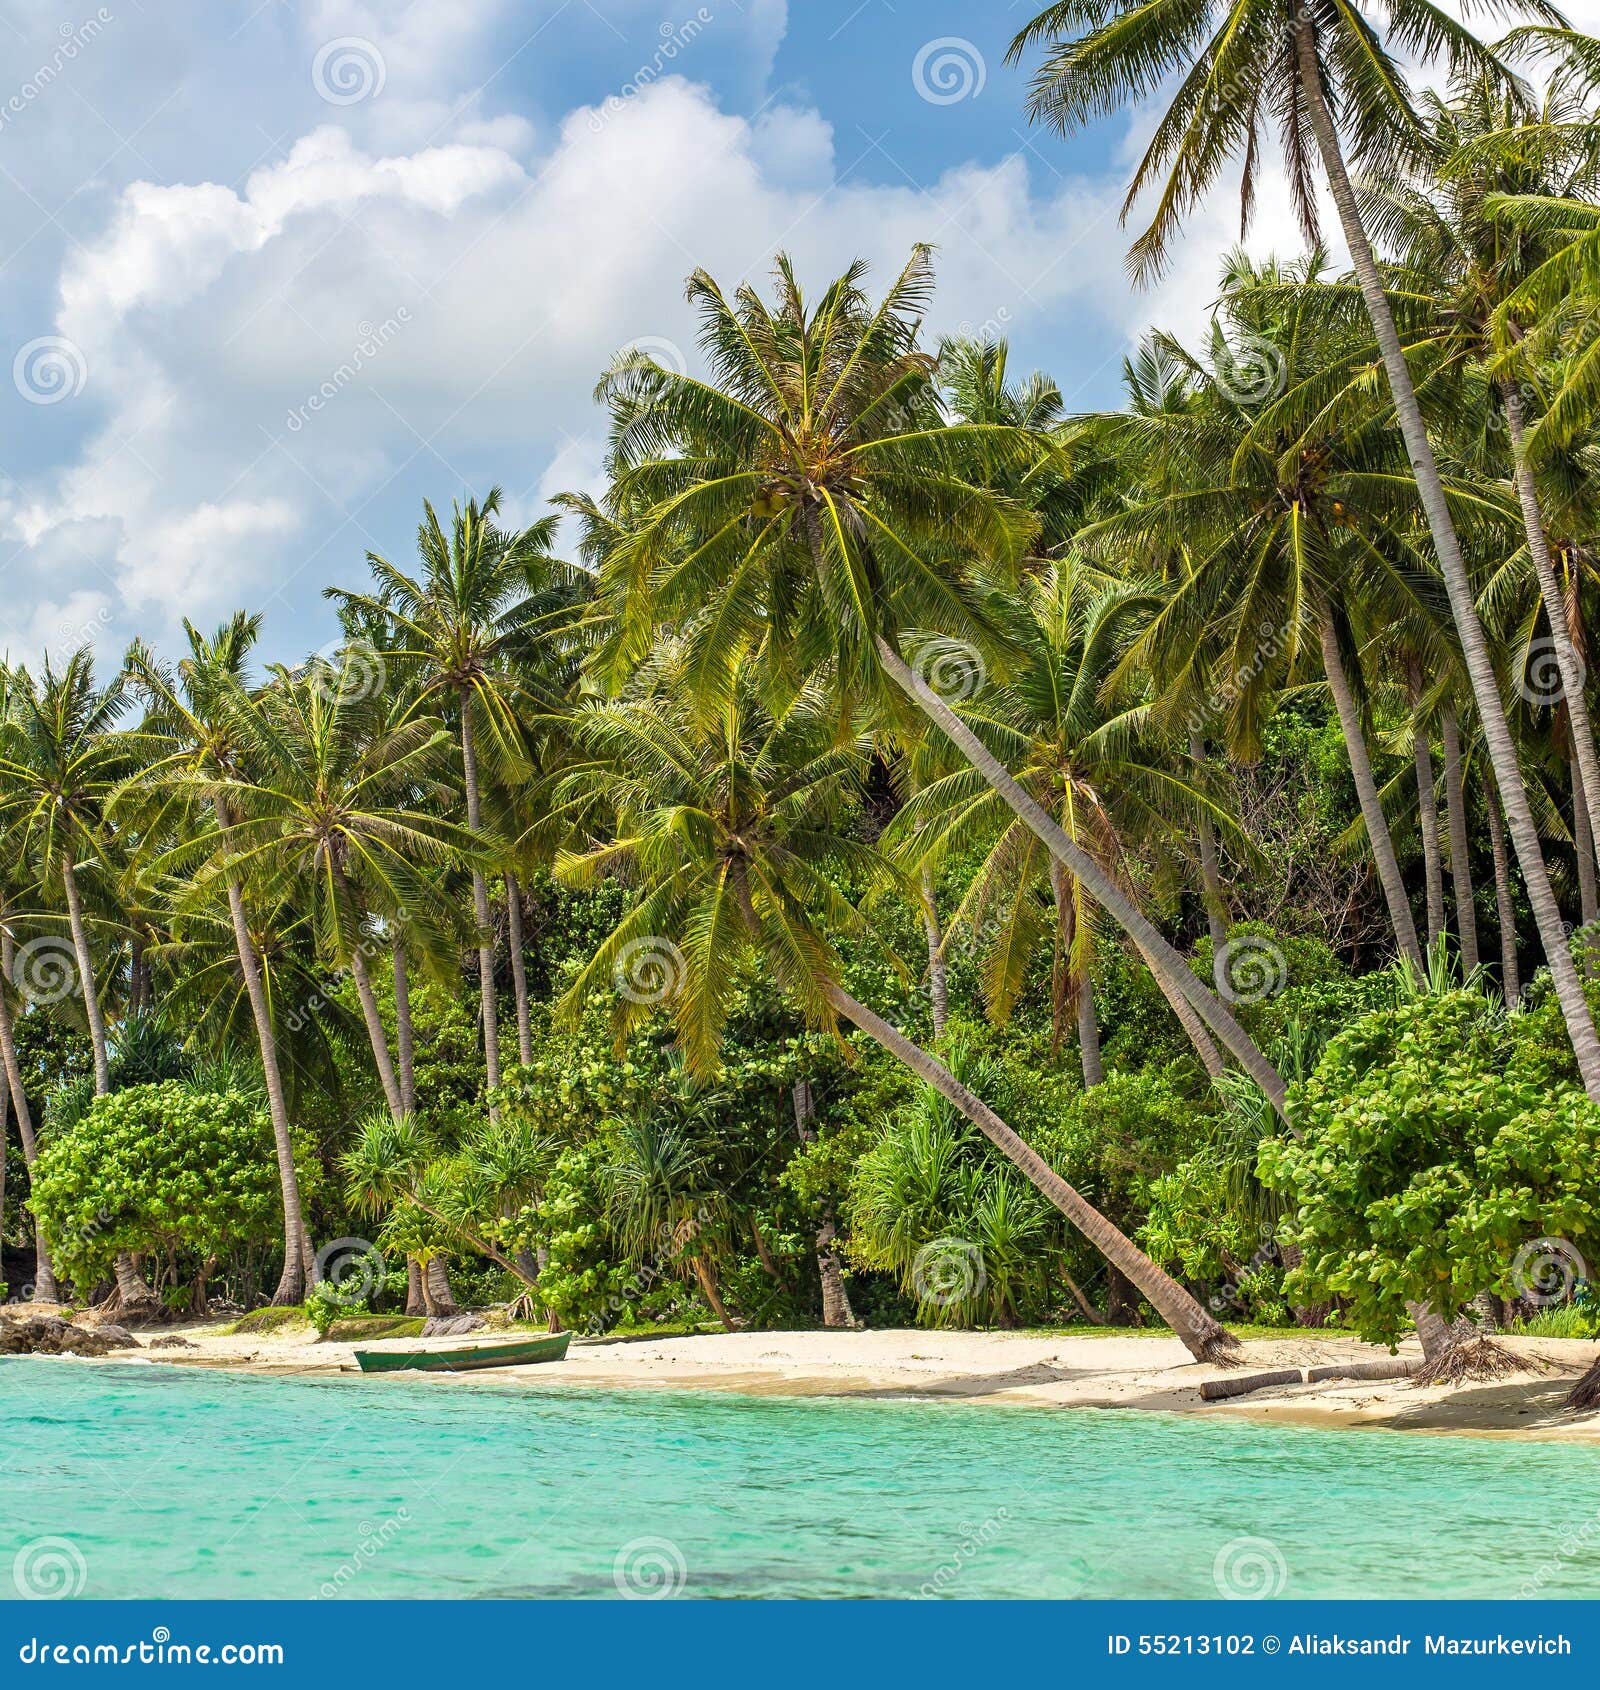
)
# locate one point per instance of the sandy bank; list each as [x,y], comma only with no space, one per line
[1115,1371]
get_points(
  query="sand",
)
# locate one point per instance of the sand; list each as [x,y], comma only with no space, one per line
[1125,1370]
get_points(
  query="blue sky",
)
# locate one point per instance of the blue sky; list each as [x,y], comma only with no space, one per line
[273,272]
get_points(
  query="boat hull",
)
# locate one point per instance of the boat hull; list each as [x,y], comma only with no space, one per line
[469,1358]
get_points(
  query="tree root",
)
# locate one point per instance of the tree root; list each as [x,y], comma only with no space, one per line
[1586,1393]
[1469,1359]
[1222,1349]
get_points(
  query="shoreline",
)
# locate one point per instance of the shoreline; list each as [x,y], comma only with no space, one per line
[1122,1370]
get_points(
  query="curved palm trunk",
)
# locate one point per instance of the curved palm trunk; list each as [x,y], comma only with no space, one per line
[938,977]
[708,1289]
[404,1038]
[416,1292]
[1169,967]
[1505,910]
[1463,606]
[1569,664]
[377,1037]
[836,1309]
[1455,798]
[1427,806]
[91,998]
[299,1264]
[436,1280]
[1210,876]
[1205,1338]
[480,914]
[1379,839]
[519,970]
[44,1277]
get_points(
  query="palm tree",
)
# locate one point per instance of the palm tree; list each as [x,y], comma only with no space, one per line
[192,722]
[724,831]
[1319,70]
[809,502]
[459,624]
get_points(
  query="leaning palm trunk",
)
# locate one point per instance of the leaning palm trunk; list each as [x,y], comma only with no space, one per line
[1379,839]
[404,1040]
[519,970]
[1427,806]
[1455,798]
[1205,1047]
[299,1265]
[1204,1337]
[1463,606]
[1505,910]
[1569,665]
[480,915]
[1167,964]
[836,1309]
[44,1278]
[91,998]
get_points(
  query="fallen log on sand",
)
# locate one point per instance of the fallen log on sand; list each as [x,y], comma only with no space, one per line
[1214,1390]
[1396,1367]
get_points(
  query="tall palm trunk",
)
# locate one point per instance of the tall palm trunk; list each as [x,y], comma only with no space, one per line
[1063,987]
[480,913]
[1167,965]
[1205,1338]
[519,970]
[1379,840]
[1094,1068]
[1427,805]
[377,1036]
[836,1309]
[1569,663]
[938,978]
[299,1265]
[1205,1047]
[91,997]
[404,1038]
[1455,799]
[1210,876]
[44,1278]
[1505,910]
[1463,606]
[1583,844]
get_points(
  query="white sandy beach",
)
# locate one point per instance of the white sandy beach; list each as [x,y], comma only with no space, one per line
[1124,1370]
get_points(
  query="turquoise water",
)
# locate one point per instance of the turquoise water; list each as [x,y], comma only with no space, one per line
[165,1481]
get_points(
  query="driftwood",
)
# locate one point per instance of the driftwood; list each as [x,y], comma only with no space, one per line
[1214,1390]
[1397,1367]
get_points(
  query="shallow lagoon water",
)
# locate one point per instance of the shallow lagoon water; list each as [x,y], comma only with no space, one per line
[172,1481]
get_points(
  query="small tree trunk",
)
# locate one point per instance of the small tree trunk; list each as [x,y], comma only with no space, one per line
[1505,910]
[1455,798]
[1089,1037]
[1427,806]
[836,1309]
[1458,581]
[45,1288]
[480,914]
[91,997]
[708,1289]
[1205,1338]
[519,969]
[404,1037]
[1379,839]
[1165,961]
[416,1296]
[132,1292]
[1210,877]
[938,980]
[436,1280]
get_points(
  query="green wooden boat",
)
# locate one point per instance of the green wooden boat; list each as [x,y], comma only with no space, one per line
[467,1358]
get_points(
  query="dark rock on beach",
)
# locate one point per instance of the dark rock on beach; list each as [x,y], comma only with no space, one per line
[51,1335]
